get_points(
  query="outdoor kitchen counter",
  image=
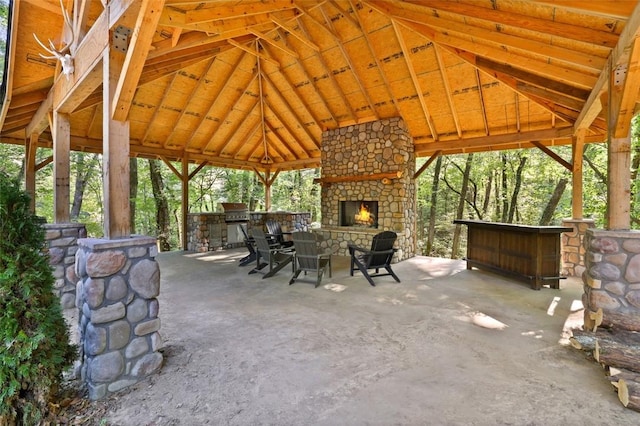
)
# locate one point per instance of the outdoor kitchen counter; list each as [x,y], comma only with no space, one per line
[529,253]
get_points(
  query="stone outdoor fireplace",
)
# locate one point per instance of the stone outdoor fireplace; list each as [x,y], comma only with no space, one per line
[368,185]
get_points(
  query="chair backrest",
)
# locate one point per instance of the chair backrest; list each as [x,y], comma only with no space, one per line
[307,249]
[274,228]
[382,249]
[262,245]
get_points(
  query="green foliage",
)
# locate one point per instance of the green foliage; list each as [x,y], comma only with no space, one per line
[34,342]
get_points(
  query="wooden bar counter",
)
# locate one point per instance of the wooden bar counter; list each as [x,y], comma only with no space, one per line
[528,253]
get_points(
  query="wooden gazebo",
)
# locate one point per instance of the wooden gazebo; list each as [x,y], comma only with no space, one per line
[257,84]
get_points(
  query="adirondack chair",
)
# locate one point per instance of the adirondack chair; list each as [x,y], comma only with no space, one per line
[275,231]
[249,242]
[309,257]
[271,255]
[378,257]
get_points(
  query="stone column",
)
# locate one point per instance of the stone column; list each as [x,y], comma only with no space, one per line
[119,281]
[62,244]
[572,246]
[612,276]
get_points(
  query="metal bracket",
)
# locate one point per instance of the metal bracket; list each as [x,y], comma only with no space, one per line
[121,38]
[619,75]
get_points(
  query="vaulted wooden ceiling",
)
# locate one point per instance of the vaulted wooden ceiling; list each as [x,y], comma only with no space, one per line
[253,83]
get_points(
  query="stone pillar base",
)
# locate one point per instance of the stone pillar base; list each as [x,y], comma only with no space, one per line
[62,244]
[572,246]
[119,281]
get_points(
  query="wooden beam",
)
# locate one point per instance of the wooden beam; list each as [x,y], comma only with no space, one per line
[495,140]
[416,83]
[358,178]
[141,38]
[624,110]
[115,155]
[215,13]
[619,55]
[288,28]
[185,201]
[435,155]
[577,152]
[254,52]
[31,146]
[553,155]
[447,89]
[61,155]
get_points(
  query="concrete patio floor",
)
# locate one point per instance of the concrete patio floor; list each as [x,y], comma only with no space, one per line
[446,346]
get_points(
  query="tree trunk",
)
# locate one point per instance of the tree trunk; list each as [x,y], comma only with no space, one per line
[84,170]
[547,214]
[162,206]
[503,195]
[133,192]
[463,195]
[434,200]
[516,189]
[487,196]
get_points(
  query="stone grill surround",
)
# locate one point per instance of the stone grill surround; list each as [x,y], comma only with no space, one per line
[62,243]
[359,151]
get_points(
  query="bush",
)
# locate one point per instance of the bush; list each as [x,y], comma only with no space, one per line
[34,341]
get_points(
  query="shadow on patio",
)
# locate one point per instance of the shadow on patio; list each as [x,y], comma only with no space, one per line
[444,346]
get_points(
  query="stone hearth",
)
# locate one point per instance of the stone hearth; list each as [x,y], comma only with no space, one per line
[370,161]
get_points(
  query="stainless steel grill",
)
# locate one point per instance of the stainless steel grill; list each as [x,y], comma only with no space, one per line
[235,212]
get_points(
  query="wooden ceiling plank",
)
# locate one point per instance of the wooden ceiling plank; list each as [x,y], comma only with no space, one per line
[136,55]
[277,146]
[247,137]
[291,89]
[347,59]
[208,148]
[620,54]
[303,69]
[194,94]
[311,18]
[232,134]
[216,13]
[414,79]
[289,130]
[374,55]
[620,9]
[325,70]
[276,94]
[158,108]
[549,95]
[345,14]
[447,88]
[212,103]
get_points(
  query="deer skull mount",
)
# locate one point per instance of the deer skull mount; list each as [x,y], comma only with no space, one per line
[63,54]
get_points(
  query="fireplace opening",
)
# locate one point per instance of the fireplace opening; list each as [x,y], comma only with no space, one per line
[360,213]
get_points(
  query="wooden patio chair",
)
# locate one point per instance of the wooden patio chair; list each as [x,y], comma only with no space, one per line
[309,257]
[275,231]
[249,242]
[378,257]
[271,255]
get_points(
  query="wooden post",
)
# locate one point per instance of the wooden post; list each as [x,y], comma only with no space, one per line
[577,150]
[61,155]
[115,146]
[267,190]
[619,194]
[185,200]
[31,146]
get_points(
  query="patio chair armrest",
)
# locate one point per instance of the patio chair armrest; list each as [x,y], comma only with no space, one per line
[353,248]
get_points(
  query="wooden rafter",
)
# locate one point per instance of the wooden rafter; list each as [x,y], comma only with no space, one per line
[233,133]
[215,13]
[282,143]
[289,130]
[447,88]
[416,83]
[158,108]
[291,30]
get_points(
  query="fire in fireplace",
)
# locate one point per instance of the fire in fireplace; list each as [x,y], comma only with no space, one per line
[359,213]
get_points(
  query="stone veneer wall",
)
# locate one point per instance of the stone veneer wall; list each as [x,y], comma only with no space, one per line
[572,246]
[289,221]
[62,243]
[359,151]
[119,281]
[612,275]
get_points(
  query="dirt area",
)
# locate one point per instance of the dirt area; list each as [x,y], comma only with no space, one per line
[446,346]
